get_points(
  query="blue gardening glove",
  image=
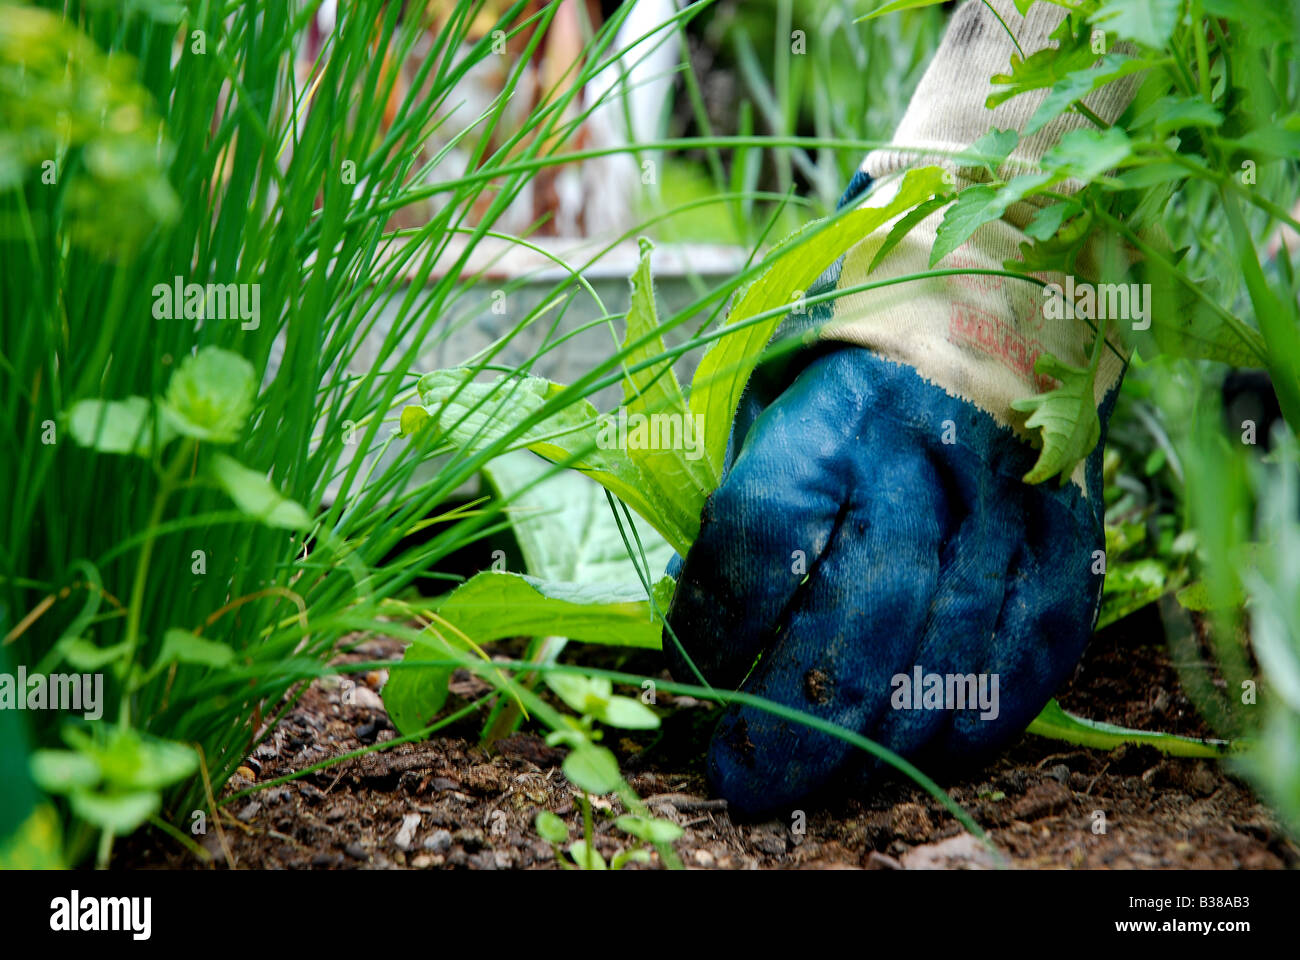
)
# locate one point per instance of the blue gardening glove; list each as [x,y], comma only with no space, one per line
[873,532]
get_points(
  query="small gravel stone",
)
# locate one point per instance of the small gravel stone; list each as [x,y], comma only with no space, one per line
[438,842]
[406,832]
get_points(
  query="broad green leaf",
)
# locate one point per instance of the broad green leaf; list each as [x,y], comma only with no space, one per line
[724,370]
[976,206]
[211,395]
[414,694]
[592,768]
[1148,175]
[118,426]
[120,813]
[1066,417]
[1056,724]
[565,528]
[551,828]
[255,495]
[1148,22]
[493,605]
[1184,325]
[1266,16]
[650,829]
[476,414]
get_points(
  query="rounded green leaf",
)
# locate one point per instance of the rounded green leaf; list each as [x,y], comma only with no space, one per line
[256,496]
[592,768]
[551,828]
[184,647]
[211,395]
[650,829]
[118,426]
[81,654]
[578,850]
[627,713]
[62,771]
[119,812]
[585,695]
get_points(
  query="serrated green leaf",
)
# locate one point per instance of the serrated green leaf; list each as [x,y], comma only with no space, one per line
[675,468]
[724,370]
[1048,220]
[1077,85]
[1043,68]
[978,205]
[905,225]
[1066,418]
[1273,140]
[989,151]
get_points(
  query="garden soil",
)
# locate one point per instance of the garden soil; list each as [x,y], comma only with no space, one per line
[447,803]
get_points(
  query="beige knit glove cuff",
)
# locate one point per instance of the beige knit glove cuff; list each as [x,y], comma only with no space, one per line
[948,113]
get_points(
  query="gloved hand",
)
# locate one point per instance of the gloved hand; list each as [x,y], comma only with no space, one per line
[874,525]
